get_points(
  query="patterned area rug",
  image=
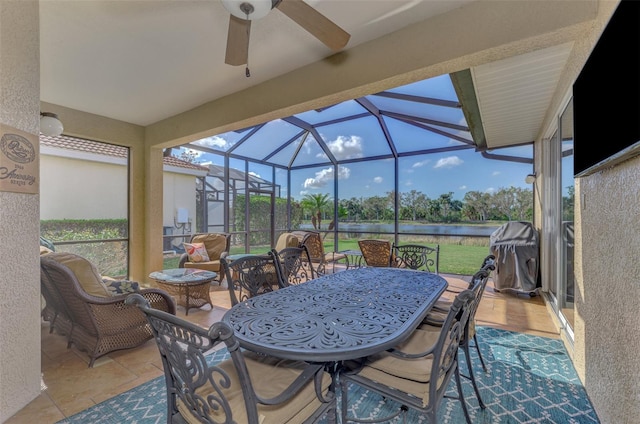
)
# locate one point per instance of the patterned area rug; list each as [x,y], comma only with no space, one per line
[530,379]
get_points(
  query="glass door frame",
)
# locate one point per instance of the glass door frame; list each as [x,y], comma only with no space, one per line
[554,264]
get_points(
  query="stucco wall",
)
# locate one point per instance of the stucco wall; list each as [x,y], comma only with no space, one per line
[607,318]
[178,192]
[81,189]
[19,227]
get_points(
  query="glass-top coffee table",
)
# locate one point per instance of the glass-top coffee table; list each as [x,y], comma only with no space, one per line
[189,286]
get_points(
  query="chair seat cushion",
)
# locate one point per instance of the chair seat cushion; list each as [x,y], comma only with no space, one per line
[86,273]
[270,376]
[208,265]
[418,369]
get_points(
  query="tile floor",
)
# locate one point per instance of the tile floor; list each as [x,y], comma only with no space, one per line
[69,386]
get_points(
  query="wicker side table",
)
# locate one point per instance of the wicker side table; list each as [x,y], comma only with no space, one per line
[189,286]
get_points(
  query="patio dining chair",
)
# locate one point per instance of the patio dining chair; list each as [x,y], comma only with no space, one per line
[315,245]
[294,265]
[250,275]
[375,252]
[439,312]
[416,256]
[416,373]
[246,388]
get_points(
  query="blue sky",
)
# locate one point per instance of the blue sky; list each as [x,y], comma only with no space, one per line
[433,126]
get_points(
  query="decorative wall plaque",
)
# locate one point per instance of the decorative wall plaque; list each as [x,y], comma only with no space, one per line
[19,161]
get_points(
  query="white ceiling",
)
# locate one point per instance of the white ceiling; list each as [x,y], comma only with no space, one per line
[146,60]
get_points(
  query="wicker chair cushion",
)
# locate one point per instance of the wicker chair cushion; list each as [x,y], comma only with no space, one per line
[214,243]
[412,369]
[270,377]
[207,266]
[197,252]
[86,273]
[287,240]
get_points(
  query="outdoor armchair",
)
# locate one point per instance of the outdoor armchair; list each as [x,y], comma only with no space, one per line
[250,275]
[376,252]
[294,265]
[246,388]
[416,373]
[439,313]
[315,245]
[206,250]
[416,256]
[81,306]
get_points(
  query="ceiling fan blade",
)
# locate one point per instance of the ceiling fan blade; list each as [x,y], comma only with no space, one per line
[237,41]
[316,23]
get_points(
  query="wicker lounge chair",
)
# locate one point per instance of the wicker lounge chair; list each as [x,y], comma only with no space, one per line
[80,306]
[215,244]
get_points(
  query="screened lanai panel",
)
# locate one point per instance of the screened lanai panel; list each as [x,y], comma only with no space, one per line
[315,180]
[396,107]
[338,111]
[286,155]
[362,180]
[356,138]
[411,138]
[310,153]
[266,140]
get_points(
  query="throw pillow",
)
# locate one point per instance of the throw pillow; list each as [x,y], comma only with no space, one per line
[116,287]
[196,251]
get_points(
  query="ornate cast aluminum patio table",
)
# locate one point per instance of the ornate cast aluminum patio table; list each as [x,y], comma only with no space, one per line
[346,315]
[190,286]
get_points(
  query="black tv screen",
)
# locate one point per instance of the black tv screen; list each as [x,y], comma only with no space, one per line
[606,94]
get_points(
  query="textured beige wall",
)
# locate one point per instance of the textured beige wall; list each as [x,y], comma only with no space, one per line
[178,192]
[19,224]
[607,318]
[65,194]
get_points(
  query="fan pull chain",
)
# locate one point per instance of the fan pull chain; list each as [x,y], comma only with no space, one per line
[247,73]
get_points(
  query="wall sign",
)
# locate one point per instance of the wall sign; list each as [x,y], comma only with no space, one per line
[19,161]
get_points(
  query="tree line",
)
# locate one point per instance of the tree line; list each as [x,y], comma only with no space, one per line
[511,204]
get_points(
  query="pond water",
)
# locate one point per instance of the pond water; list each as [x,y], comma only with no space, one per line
[439,230]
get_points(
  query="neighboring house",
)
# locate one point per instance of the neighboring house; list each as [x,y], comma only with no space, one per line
[84,179]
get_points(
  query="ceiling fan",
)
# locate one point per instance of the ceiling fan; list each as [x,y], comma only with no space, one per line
[244,11]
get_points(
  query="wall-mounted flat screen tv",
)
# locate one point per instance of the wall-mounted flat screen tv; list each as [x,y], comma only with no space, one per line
[606,94]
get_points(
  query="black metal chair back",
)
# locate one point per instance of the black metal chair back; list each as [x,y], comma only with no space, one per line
[199,390]
[250,276]
[416,373]
[295,265]
[416,256]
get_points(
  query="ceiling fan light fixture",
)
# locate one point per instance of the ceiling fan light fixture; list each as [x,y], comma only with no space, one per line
[248,9]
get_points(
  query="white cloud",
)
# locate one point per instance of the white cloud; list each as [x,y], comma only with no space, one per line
[377,180]
[462,187]
[195,154]
[421,163]
[215,142]
[254,174]
[325,176]
[490,190]
[345,147]
[495,173]
[448,162]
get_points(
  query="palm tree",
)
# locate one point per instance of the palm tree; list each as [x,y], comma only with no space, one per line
[316,203]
